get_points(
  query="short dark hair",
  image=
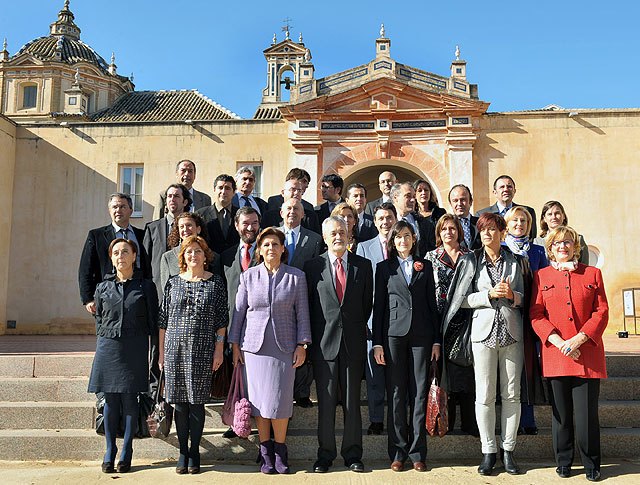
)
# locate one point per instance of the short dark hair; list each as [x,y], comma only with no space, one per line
[121,195]
[298,174]
[504,177]
[487,218]
[385,206]
[356,186]
[188,161]
[460,186]
[131,244]
[225,178]
[271,231]
[397,227]
[335,180]
[245,211]
[186,195]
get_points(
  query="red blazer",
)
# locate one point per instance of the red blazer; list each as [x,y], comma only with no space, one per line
[566,303]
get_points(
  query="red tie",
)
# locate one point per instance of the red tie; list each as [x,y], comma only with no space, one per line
[341,279]
[246,257]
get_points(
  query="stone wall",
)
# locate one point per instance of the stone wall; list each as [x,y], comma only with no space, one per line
[7,164]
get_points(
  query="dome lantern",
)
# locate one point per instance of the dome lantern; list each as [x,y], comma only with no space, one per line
[65,24]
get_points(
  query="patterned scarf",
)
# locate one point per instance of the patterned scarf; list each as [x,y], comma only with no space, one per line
[518,245]
[567,266]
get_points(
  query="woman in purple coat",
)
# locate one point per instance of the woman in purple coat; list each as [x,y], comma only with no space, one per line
[269,333]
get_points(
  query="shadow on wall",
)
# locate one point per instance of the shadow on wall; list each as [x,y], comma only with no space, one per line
[57,200]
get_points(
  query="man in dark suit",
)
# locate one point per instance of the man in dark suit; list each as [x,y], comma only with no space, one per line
[246,181]
[237,259]
[218,217]
[331,188]
[300,174]
[95,263]
[403,197]
[357,197]
[504,190]
[460,199]
[178,199]
[302,245]
[292,190]
[185,175]
[386,180]
[340,302]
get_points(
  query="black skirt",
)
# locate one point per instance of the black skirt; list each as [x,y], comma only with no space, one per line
[121,365]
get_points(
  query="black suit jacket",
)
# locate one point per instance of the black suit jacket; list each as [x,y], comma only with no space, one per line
[333,323]
[427,229]
[309,221]
[372,205]
[262,205]
[95,263]
[217,242]
[400,308]
[476,243]
[275,203]
[367,230]
[534,226]
[322,210]
[200,200]
[155,245]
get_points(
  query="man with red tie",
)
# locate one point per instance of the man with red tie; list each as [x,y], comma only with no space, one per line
[340,302]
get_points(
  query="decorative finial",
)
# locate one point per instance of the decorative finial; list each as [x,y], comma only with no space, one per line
[131,77]
[457,53]
[382,31]
[66,4]
[76,77]
[274,41]
[113,58]
[59,43]
[300,38]
[4,44]
[307,55]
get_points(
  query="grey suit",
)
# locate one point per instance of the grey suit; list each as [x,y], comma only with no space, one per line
[533,230]
[487,360]
[367,230]
[155,244]
[200,199]
[374,373]
[372,205]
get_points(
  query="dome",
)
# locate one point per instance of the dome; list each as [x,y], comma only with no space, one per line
[71,51]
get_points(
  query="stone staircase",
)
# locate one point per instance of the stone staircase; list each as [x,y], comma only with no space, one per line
[46,414]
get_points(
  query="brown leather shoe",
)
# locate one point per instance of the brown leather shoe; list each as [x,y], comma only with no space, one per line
[397,466]
[419,466]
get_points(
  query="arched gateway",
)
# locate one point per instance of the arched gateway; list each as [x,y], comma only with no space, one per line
[386,115]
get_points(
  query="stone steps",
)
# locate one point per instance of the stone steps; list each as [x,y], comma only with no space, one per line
[87,445]
[57,388]
[81,415]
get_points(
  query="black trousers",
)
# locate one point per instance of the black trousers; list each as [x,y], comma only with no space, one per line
[189,419]
[406,377]
[303,380]
[339,380]
[575,402]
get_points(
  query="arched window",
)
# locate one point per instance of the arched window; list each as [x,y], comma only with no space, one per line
[287,81]
[29,96]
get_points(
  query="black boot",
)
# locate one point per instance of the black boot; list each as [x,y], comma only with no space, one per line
[510,465]
[488,462]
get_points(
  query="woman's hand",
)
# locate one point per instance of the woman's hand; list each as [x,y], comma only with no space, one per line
[573,344]
[501,290]
[299,356]
[378,354]
[435,351]
[218,357]
[161,360]
[237,354]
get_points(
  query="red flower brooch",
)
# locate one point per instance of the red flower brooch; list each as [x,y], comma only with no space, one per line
[418,266]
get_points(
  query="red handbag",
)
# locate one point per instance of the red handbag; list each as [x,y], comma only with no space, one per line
[236,411]
[437,420]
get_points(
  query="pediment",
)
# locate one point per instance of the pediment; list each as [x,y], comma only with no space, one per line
[25,60]
[384,95]
[286,47]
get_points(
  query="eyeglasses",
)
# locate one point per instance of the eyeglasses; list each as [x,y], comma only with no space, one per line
[566,242]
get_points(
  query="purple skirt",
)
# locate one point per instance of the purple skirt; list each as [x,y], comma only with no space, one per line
[269,379]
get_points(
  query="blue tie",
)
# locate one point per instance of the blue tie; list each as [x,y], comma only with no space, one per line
[291,245]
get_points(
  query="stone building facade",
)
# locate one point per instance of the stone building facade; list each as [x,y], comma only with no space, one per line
[61,158]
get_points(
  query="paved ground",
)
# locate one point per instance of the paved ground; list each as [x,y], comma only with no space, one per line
[622,472]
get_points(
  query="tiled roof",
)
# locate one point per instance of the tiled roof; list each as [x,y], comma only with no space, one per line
[272,113]
[164,106]
[73,50]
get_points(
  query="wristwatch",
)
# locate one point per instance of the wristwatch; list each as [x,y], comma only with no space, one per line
[304,346]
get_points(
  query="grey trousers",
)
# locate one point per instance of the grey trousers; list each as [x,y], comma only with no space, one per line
[375,386]
[487,363]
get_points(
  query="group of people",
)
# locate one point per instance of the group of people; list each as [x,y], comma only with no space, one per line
[349,290]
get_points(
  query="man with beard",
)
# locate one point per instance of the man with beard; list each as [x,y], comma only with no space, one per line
[238,258]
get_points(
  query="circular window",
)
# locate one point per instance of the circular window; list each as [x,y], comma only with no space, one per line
[596,258]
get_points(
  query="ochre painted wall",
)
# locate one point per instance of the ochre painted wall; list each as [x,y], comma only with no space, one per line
[7,164]
[589,163]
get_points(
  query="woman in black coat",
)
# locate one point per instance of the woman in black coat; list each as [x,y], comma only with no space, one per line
[405,339]
[126,314]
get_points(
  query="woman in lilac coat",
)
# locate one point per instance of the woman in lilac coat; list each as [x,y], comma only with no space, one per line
[270,333]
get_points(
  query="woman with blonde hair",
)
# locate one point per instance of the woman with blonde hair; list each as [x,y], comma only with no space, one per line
[552,216]
[569,312]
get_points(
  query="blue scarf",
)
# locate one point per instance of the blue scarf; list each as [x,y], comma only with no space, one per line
[518,245]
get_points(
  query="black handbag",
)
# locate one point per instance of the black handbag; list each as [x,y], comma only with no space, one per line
[159,421]
[221,379]
[458,348]
[145,402]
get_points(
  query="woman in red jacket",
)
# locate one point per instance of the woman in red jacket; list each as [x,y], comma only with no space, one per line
[569,312]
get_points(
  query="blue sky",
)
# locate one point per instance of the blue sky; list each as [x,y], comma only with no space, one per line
[522,55]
